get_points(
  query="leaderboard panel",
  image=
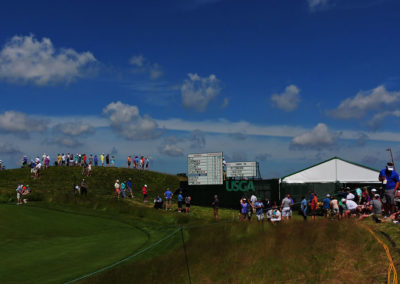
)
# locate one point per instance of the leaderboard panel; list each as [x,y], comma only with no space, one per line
[205,169]
[241,169]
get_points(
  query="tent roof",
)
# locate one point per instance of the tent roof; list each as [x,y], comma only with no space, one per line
[334,170]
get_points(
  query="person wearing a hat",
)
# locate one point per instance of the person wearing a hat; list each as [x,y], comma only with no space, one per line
[144,191]
[351,207]
[326,205]
[117,188]
[391,182]
[349,196]
[376,206]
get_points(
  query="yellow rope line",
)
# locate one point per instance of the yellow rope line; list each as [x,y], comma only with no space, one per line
[392,268]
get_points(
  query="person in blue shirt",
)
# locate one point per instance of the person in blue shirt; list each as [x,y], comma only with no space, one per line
[129,187]
[168,199]
[326,201]
[180,201]
[303,207]
[259,210]
[123,186]
[391,182]
[96,161]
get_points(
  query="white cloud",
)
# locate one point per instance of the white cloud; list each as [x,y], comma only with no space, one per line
[376,100]
[20,124]
[289,100]
[378,118]
[143,65]
[315,5]
[74,128]
[170,148]
[197,92]
[127,122]
[319,138]
[26,59]
[64,141]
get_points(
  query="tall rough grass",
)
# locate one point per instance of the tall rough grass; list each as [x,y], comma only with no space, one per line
[309,252]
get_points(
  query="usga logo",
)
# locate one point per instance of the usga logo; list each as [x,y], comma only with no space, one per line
[240,185]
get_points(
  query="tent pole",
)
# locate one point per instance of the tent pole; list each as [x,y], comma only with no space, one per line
[279,189]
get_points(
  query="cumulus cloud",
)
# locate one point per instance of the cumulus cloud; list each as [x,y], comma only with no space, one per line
[377,119]
[197,139]
[318,138]
[170,148]
[27,59]
[197,92]
[64,141]
[74,128]
[376,100]
[289,100]
[127,122]
[315,5]
[20,124]
[143,65]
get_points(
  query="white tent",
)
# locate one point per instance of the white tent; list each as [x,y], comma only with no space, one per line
[332,171]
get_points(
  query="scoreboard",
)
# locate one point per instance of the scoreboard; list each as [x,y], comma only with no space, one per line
[205,169]
[241,169]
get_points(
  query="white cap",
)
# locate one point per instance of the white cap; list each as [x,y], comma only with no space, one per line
[343,200]
[145,185]
[377,195]
[373,190]
[328,195]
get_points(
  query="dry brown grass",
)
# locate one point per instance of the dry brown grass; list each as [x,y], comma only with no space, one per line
[310,252]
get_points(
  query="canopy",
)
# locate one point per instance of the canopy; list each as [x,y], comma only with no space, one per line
[332,171]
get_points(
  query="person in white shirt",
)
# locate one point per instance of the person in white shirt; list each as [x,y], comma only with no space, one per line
[351,207]
[276,216]
[117,188]
[350,196]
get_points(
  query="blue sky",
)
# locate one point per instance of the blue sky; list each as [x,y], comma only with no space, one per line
[287,83]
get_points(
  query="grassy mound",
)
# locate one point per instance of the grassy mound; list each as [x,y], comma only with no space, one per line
[61,236]
[58,182]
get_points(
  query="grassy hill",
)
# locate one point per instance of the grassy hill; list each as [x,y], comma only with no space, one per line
[58,182]
[59,236]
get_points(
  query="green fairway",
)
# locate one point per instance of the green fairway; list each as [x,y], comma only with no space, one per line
[47,246]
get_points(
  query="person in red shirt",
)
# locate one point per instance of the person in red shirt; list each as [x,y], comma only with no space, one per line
[144,191]
[129,161]
[314,206]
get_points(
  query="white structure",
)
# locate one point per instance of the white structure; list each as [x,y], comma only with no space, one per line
[332,171]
